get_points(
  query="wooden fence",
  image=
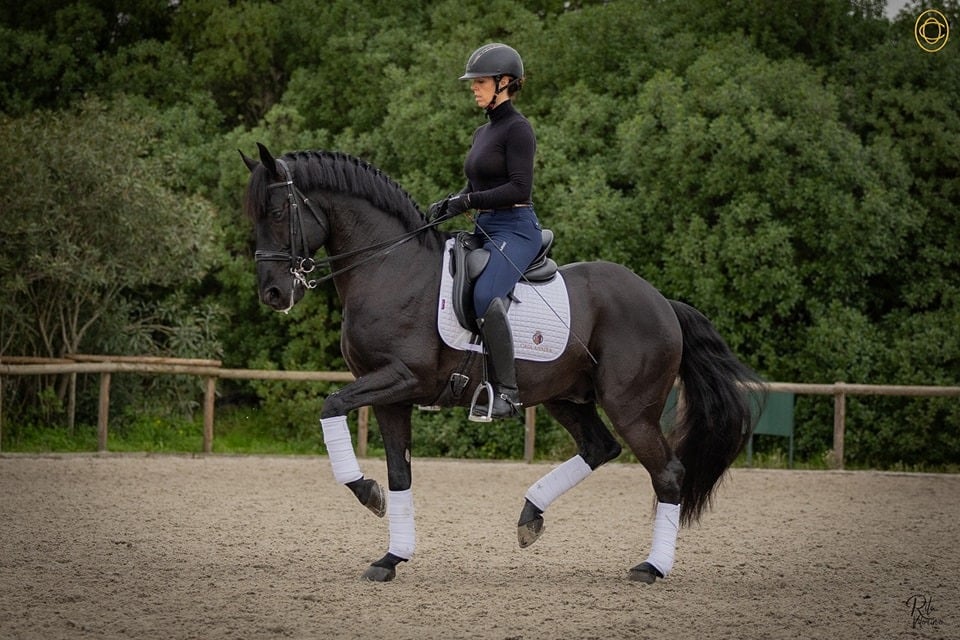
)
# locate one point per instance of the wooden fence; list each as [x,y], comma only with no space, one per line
[211,370]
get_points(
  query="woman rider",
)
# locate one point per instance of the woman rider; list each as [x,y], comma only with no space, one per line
[499,171]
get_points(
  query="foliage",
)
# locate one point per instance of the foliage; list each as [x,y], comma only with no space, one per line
[101,252]
[791,169]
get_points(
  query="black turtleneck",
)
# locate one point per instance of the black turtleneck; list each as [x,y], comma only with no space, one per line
[499,165]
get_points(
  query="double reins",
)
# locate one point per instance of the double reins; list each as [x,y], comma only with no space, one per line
[303,263]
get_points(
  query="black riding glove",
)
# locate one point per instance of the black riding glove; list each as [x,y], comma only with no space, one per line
[437,211]
[457,204]
[449,207]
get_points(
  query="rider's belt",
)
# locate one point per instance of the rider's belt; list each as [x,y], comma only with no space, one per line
[519,205]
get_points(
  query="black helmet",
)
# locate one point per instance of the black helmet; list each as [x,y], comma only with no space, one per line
[494,59]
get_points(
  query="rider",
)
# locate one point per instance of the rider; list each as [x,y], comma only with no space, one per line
[499,171]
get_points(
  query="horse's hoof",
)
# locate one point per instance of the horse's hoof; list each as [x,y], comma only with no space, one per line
[376,502]
[370,495]
[644,572]
[379,574]
[529,532]
[384,569]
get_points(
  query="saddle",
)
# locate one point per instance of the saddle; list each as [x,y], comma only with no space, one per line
[469,259]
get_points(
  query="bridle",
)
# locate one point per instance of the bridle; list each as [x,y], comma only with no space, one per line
[299,258]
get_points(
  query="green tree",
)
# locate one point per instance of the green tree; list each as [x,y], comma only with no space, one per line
[237,51]
[819,31]
[766,196]
[97,247]
[51,52]
[339,77]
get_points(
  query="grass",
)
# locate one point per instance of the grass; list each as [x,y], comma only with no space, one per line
[151,434]
[239,431]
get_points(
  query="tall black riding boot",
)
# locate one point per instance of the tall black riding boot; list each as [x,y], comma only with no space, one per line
[495,329]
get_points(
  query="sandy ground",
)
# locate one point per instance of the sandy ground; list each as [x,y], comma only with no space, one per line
[132,546]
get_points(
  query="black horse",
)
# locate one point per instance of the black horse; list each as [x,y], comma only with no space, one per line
[629,346]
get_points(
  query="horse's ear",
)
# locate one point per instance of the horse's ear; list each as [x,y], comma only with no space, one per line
[247,160]
[268,160]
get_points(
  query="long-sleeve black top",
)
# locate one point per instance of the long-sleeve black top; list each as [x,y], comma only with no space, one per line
[499,165]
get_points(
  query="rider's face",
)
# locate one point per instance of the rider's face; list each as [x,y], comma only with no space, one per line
[484,90]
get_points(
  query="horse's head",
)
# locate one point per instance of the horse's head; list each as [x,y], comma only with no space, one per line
[288,229]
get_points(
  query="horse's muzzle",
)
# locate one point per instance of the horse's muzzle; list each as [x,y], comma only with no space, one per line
[282,298]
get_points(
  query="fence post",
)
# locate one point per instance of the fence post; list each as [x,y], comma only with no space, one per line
[363,430]
[839,421]
[103,411]
[72,404]
[529,433]
[209,399]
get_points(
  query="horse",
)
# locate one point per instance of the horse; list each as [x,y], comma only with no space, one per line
[630,345]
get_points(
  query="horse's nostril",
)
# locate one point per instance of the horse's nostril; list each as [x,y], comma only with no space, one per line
[271,296]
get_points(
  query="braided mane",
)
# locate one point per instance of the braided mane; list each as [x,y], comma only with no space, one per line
[341,173]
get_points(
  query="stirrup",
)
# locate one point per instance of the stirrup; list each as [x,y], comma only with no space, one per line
[482,417]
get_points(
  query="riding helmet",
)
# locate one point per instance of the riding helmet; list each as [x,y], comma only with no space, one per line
[494,59]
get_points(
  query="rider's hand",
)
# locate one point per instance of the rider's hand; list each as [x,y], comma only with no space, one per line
[457,204]
[438,210]
[449,207]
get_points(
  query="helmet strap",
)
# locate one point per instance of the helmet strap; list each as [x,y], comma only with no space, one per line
[496,92]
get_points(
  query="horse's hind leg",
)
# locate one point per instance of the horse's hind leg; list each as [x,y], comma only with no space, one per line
[596,446]
[646,440]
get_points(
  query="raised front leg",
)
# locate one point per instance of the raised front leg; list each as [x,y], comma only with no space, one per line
[391,384]
[388,384]
[346,469]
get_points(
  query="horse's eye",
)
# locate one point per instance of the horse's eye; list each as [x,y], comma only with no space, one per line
[277,214]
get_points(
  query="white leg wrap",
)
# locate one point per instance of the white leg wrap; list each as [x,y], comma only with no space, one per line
[665,528]
[403,535]
[336,437]
[557,482]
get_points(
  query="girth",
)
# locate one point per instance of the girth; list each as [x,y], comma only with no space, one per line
[469,259]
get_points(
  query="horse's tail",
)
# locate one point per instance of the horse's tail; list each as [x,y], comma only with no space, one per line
[715,419]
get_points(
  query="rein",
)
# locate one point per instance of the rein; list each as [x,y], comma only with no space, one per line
[302,263]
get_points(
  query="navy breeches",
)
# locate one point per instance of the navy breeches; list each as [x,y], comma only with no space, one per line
[512,236]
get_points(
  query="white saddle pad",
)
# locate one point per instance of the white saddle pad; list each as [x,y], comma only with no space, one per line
[539,317]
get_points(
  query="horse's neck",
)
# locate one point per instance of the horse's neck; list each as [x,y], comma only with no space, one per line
[356,226]
[395,272]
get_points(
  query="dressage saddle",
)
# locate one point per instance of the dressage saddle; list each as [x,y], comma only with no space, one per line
[469,259]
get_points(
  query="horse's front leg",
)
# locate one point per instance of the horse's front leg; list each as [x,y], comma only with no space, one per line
[378,389]
[394,422]
[346,469]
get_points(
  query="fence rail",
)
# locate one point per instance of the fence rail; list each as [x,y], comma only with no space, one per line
[211,370]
